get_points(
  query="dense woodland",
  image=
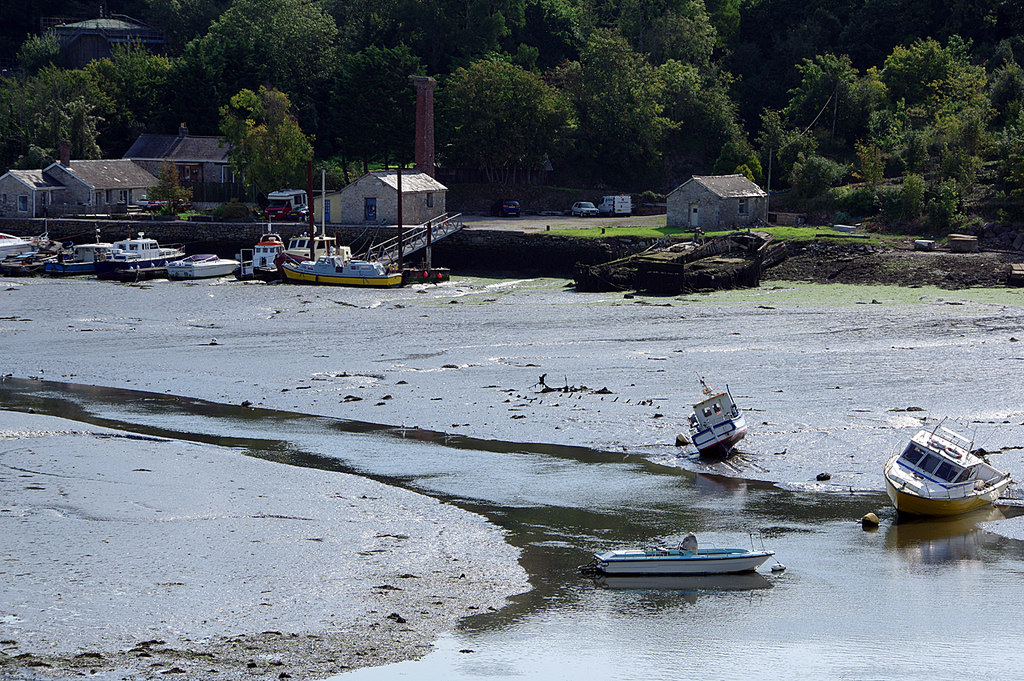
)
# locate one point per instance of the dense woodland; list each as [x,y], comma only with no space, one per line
[896,107]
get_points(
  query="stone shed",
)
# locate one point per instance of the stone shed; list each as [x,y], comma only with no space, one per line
[373,199]
[715,202]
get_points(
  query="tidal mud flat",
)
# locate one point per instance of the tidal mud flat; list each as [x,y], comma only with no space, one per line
[128,556]
[833,377]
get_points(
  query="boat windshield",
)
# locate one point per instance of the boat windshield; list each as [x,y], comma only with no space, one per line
[933,464]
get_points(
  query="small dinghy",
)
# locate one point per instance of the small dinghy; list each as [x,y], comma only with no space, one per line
[685,559]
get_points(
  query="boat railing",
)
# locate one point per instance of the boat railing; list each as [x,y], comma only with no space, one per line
[387,253]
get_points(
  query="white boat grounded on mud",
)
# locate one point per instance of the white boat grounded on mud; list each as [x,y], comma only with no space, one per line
[716,424]
[685,559]
[201,266]
[937,474]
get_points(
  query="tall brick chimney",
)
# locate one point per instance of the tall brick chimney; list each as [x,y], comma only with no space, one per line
[64,151]
[424,123]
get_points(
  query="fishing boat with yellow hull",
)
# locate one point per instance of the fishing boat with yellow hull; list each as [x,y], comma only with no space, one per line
[340,270]
[938,475]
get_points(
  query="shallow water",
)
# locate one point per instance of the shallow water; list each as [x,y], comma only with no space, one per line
[851,604]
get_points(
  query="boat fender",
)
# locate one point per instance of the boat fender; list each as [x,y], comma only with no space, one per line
[869,521]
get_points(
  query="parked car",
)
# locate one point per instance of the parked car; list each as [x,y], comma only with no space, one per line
[584,209]
[505,208]
[146,204]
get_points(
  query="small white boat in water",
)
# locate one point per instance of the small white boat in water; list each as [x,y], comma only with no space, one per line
[685,559]
[716,424]
[201,266]
[937,475]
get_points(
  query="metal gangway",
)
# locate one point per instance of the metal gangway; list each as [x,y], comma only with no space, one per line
[415,238]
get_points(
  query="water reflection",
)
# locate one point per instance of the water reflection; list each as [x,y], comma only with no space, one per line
[943,540]
[689,583]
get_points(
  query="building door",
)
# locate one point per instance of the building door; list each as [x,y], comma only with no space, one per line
[370,209]
[694,215]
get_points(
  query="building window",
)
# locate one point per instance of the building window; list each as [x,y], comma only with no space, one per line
[430,199]
[3,198]
[23,203]
[122,196]
[743,207]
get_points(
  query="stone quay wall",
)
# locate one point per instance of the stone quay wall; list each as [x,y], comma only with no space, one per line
[470,251]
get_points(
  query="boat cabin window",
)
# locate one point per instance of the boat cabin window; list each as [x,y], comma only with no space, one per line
[964,476]
[912,454]
[707,411]
[930,463]
[946,471]
[718,408]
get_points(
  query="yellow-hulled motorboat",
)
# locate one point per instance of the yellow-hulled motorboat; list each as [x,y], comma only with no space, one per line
[937,475]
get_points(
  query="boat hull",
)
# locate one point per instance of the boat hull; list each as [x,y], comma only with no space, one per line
[121,270]
[908,503]
[719,440]
[220,269]
[296,276]
[712,562]
[69,268]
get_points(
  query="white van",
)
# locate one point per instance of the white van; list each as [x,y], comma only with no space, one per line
[621,204]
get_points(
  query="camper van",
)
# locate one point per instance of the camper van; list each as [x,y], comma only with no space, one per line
[621,204]
[287,204]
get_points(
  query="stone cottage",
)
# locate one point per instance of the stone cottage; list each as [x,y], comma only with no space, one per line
[715,202]
[373,199]
[197,158]
[63,187]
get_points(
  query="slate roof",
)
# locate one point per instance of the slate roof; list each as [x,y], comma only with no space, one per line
[412,181]
[118,173]
[183,149]
[36,179]
[727,186]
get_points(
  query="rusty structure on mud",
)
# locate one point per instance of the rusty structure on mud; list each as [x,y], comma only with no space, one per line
[726,262]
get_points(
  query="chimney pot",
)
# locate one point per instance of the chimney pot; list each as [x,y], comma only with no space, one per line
[65,153]
[182,130]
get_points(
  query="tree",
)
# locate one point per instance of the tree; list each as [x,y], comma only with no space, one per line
[52,106]
[669,29]
[619,106]
[373,105]
[871,164]
[167,188]
[267,146]
[137,90]
[500,118]
[288,45]
[812,175]
[39,51]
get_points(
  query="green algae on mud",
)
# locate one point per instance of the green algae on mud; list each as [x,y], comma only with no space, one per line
[841,295]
